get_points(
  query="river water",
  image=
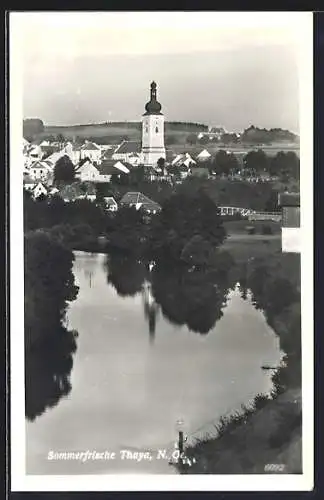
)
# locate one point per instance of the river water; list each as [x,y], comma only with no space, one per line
[134,377]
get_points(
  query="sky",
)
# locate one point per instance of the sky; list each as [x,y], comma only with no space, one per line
[229,69]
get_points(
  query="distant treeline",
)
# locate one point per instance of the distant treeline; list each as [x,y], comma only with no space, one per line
[182,126]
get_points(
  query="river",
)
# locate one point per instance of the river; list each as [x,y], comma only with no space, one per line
[136,372]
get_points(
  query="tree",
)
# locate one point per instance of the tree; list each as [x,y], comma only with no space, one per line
[60,138]
[197,252]
[191,139]
[64,170]
[128,232]
[204,140]
[126,274]
[161,163]
[256,161]
[32,127]
[183,216]
[137,175]
[285,165]
[227,138]
[225,163]
[192,297]
[271,204]
[49,286]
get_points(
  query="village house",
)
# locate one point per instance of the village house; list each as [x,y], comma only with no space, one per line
[86,171]
[183,159]
[140,202]
[90,150]
[126,150]
[34,153]
[110,203]
[41,171]
[111,167]
[204,155]
[154,174]
[28,183]
[290,231]
[134,159]
[39,190]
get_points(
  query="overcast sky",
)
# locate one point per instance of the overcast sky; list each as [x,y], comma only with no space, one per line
[230,69]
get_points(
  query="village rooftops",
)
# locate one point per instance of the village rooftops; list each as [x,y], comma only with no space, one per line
[110,201]
[109,167]
[107,154]
[289,199]
[74,191]
[139,200]
[127,147]
[89,146]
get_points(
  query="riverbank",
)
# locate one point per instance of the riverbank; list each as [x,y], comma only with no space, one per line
[269,435]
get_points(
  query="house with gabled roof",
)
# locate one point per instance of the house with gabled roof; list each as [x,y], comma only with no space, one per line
[140,202]
[111,167]
[87,171]
[204,155]
[110,204]
[126,149]
[39,190]
[90,150]
[40,171]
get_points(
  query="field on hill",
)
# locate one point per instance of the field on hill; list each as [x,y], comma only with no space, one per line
[175,137]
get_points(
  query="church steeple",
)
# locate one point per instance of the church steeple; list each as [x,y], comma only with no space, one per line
[153,91]
[153,107]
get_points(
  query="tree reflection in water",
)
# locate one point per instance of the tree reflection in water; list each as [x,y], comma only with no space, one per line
[187,295]
[125,274]
[48,366]
[191,296]
[49,346]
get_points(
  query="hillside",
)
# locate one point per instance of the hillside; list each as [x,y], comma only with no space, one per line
[176,136]
[114,132]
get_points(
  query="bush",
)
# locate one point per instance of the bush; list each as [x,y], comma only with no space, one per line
[266,229]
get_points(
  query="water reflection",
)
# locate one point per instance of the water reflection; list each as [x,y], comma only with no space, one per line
[48,366]
[151,309]
[127,392]
[192,296]
[126,275]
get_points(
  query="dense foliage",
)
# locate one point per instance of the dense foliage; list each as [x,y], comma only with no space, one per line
[49,287]
[182,217]
[64,170]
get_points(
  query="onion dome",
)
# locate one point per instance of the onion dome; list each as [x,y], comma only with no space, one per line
[153,107]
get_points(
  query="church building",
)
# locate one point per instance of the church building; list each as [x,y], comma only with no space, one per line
[152,131]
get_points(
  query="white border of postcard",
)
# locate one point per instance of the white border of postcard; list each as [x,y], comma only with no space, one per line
[301,24]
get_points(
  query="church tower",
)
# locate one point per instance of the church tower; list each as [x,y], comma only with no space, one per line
[152,131]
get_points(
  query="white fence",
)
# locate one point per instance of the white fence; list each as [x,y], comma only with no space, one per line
[235,210]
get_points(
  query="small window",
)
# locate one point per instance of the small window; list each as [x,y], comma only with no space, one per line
[146,130]
[156,129]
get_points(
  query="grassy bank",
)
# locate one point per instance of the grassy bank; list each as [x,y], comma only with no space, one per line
[246,443]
